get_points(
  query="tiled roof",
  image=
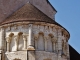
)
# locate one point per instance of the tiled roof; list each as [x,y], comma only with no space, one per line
[28,13]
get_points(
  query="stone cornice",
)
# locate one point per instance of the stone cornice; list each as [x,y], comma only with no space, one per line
[37,23]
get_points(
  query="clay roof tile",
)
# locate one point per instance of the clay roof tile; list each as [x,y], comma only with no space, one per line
[28,13]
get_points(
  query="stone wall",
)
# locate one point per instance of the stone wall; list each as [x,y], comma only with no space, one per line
[42,55]
[22,55]
[49,41]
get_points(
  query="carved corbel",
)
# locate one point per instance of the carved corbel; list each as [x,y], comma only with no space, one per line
[9,28]
[15,26]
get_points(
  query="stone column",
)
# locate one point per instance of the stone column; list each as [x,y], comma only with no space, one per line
[46,40]
[30,47]
[25,42]
[54,40]
[36,41]
[54,46]
[16,42]
[8,39]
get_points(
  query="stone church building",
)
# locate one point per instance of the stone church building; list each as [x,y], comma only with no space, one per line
[28,31]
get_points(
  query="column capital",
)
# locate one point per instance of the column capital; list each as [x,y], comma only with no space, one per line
[8,39]
[36,37]
[54,39]
[46,38]
[15,37]
[24,37]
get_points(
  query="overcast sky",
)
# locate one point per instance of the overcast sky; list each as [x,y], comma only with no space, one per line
[68,15]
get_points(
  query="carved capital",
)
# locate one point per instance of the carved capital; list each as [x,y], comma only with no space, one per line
[54,39]
[16,37]
[8,39]
[46,38]
[24,37]
[36,37]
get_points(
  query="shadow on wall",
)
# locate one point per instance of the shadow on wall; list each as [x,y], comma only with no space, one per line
[74,55]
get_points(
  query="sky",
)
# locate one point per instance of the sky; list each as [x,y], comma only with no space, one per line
[68,15]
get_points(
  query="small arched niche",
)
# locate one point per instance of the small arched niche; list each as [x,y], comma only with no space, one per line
[20,41]
[12,43]
[41,41]
[49,43]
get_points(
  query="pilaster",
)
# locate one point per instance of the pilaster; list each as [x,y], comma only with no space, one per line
[30,47]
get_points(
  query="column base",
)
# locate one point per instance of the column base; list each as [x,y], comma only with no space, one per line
[30,48]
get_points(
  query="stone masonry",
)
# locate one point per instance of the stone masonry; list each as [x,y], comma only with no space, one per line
[30,31]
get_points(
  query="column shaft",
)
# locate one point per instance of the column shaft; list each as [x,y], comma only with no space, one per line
[25,41]
[54,47]
[36,44]
[8,44]
[30,34]
[46,47]
[30,41]
[16,43]
[8,39]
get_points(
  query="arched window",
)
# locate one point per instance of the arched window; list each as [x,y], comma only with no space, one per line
[41,42]
[49,44]
[20,41]
[12,42]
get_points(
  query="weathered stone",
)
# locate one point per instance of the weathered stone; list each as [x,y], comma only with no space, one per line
[32,40]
